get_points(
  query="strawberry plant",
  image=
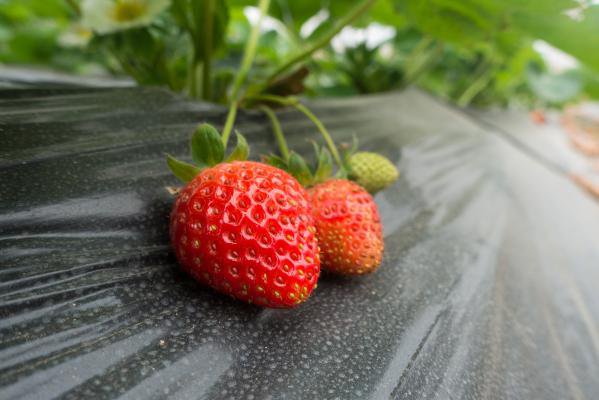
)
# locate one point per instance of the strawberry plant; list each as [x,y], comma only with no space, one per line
[474,52]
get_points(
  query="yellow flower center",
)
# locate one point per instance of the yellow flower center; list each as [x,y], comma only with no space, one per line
[82,32]
[129,10]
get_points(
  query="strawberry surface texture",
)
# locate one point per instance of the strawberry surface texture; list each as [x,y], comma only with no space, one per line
[348,227]
[246,229]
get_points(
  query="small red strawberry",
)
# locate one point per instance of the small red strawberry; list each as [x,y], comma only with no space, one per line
[348,227]
[242,227]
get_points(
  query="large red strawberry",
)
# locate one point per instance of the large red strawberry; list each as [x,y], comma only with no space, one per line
[348,227]
[242,227]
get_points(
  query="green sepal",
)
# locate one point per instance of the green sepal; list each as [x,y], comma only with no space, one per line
[275,161]
[241,150]
[347,150]
[316,148]
[354,144]
[299,169]
[207,147]
[324,168]
[182,170]
[342,173]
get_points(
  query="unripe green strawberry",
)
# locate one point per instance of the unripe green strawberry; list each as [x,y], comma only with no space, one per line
[372,171]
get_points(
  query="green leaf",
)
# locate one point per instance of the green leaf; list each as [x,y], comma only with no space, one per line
[139,51]
[189,15]
[241,150]
[555,88]
[182,170]
[591,82]
[325,166]
[464,23]
[294,13]
[181,14]
[207,147]
[299,169]
[578,38]
[385,12]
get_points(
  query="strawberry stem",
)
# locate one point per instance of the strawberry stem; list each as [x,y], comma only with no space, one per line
[229,122]
[249,52]
[322,41]
[323,131]
[294,102]
[209,6]
[276,128]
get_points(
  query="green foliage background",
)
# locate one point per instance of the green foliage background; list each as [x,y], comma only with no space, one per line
[471,51]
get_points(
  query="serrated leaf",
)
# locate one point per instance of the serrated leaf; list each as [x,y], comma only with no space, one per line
[207,147]
[325,166]
[299,169]
[182,170]
[241,150]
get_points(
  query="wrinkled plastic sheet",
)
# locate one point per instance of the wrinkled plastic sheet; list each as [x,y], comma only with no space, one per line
[488,289]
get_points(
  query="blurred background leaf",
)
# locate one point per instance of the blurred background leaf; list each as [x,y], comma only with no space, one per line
[471,52]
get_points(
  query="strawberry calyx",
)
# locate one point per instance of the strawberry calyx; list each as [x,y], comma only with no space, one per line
[370,170]
[207,150]
[306,174]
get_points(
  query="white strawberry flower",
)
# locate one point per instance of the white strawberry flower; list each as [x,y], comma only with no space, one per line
[106,16]
[75,36]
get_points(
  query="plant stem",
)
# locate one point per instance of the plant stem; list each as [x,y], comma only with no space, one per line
[75,6]
[292,101]
[276,128]
[194,82]
[323,131]
[322,41]
[250,50]
[249,53]
[229,122]
[477,86]
[191,76]
[207,41]
[419,59]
